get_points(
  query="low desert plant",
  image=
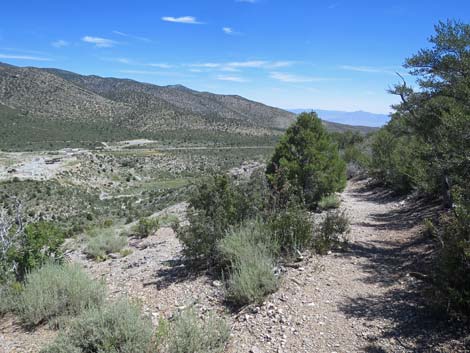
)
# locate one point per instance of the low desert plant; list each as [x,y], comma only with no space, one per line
[329,202]
[56,290]
[188,333]
[114,328]
[249,257]
[332,232]
[146,227]
[105,243]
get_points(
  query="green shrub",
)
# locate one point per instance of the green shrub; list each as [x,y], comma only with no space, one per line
[114,328]
[310,161]
[56,290]
[215,205]
[249,252]
[188,333]
[291,229]
[332,232]
[146,227]
[452,276]
[105,243]
[39,243]
[328,202]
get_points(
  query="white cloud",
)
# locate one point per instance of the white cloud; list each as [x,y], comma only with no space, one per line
[99,42]
[23,57]
[184,19]
[228,30]
[364,69]
[237,65]
[160,65]
[231,78]
[285,77]
[126,35]
[60,43]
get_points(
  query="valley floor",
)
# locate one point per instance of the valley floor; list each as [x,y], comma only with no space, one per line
[359,300]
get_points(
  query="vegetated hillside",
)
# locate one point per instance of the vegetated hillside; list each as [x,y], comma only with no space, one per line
[57,108]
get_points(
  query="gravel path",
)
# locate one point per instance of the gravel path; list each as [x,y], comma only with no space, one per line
[359,300]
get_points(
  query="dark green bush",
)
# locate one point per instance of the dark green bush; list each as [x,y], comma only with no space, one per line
[146,227]
[310,161]
[39,243]
[114,328]
[332,232]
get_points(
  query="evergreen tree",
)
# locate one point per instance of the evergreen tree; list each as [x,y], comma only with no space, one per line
[309,160]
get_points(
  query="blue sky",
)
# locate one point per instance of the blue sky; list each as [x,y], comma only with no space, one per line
[337,54]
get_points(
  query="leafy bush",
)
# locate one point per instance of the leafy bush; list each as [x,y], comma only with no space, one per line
[41,242]
[331,232]
[56,290]
[146,227]
[215,205]
[249,253]
[188,333]
[113,328]
[310,161]
[291,229]
[452,276]
[105,243]
[328,202]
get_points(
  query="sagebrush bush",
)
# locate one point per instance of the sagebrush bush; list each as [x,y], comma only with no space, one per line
[114,328]
[291,229]
[56,290]
[217,204]
[332,232]
[329,202]
[146,226]
[188,333]
[249,252]
[106,242]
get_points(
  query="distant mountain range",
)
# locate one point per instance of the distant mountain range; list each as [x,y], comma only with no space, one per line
[359,118]
[119,108]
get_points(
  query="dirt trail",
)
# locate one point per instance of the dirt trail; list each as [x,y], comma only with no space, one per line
[359,300]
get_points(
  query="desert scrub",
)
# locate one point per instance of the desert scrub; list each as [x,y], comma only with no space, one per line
[329,202]
[188,333]
[146,226]
[114,328]
[106,242]
[332,232]
[248,255]
[56,290]
[291,229]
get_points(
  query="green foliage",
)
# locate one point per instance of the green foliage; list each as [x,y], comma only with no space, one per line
[188,333]
[56,290]
[114,328]
[310,161]
[40,243]
[291,229]
[107,241]
[249,252]
[215,205]
[332,232]
[146,227]
[328,202]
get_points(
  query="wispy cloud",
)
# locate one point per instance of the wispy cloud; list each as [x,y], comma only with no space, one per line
[231,78]
[152,73]
[184,19]
[250,64]
[364,69]
[334,5]
[60,43]
[160,65]
[291,78]
[23,57]
[127,35]
[248,1]
[230,31]
[99,42]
